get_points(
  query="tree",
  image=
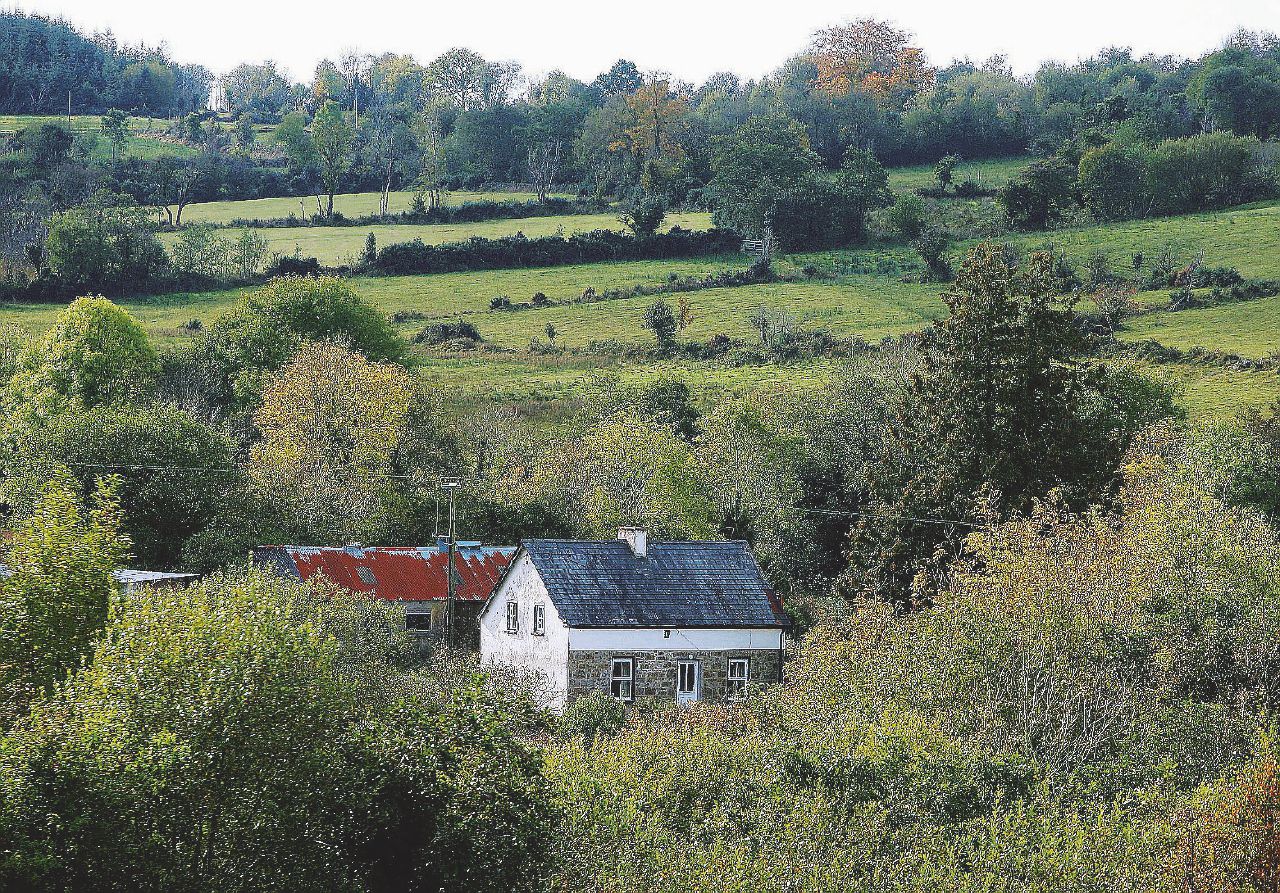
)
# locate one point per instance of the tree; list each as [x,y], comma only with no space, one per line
[115,126]
[250,734]
[945,169]
[104,246]
[661,320]
[332,137]
[172,471]
[264,330]
[650,133]
[291,133]
[1113,181]
[432,161]
[54,601]
[332,424]
[643,215]
[870,56]
[764,160]
[177,183]
[1003,412]
[1040,195]
[96,354]
[259,91]
[862,186]
[544,165]
[621,79]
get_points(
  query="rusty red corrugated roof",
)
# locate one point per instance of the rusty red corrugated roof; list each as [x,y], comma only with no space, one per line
[396,573]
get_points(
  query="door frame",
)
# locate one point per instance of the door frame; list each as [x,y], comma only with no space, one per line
[688,697]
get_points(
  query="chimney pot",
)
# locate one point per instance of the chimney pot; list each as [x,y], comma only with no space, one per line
[637,538]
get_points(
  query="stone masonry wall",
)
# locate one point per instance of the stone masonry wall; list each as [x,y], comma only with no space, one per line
[656,671]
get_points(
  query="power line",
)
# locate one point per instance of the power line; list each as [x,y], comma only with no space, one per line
[889,517]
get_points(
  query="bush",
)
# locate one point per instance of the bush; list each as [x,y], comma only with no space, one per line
[907,218]
[293,266]
[448,331]
[547,251]
[595,715]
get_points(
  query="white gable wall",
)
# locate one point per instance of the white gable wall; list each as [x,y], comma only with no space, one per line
[548,654]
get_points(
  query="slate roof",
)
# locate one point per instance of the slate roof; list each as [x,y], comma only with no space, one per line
[679,584]
[394,573]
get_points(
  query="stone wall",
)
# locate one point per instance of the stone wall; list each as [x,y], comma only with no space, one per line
[656,671]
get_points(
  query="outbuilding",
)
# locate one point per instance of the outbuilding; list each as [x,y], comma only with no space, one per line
[683,620]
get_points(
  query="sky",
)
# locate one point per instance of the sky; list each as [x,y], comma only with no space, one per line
[689,39]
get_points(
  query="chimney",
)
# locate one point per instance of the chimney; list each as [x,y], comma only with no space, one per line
[637,538]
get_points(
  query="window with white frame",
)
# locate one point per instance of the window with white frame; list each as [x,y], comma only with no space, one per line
[622,678]
[539,620]
[739,673]
[513,618]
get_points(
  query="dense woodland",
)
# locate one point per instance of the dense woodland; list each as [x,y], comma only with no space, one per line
[1036,604]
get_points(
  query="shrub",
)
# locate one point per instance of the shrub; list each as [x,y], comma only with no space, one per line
[660,319]
[441,332]
[286,265]
[500,302]
[593,716]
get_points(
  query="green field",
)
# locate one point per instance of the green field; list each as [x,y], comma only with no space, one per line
[846,303]
[334,245]
[992,173]
[1250,328]
[1246,238]
[355,204]
[147,139]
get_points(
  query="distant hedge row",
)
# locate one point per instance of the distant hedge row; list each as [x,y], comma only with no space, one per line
[549,251]
[467,212]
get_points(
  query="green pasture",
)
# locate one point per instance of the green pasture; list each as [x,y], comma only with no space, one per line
[147,139]
[355,204]
[1246,238]
[991,173]
[343,244]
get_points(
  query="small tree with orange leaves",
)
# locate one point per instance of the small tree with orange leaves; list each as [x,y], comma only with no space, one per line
[1233,845]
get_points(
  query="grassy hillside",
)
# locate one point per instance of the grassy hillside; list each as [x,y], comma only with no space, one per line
[1250,329]
[146,140]
[354,204]
[992,173]
[342,244]
[1245,238]
[850,302]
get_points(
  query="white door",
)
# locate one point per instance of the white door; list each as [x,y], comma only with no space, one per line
[689,682]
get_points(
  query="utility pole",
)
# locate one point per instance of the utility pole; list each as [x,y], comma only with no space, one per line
[450,575]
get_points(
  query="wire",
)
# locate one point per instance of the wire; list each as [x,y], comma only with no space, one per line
[888,517]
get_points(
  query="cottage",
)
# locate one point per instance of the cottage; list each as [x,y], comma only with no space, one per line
[413,576]
[682,621]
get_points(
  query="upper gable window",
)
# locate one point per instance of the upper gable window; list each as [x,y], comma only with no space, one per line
[513,617]
[539,620]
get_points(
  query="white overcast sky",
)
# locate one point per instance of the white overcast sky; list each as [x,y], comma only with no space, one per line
[688,38]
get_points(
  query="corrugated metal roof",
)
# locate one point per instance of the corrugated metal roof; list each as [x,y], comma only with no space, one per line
[131,576]
[394,573]
[679,584]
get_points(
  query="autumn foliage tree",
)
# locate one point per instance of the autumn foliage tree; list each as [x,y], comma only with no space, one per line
[872,57]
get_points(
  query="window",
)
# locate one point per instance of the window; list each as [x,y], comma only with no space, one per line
[366,576]
[417,620]
[539,620]
[513,618]
[739,673]
[622,679]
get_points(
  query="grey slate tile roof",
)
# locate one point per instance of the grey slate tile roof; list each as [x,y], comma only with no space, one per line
[679,584]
